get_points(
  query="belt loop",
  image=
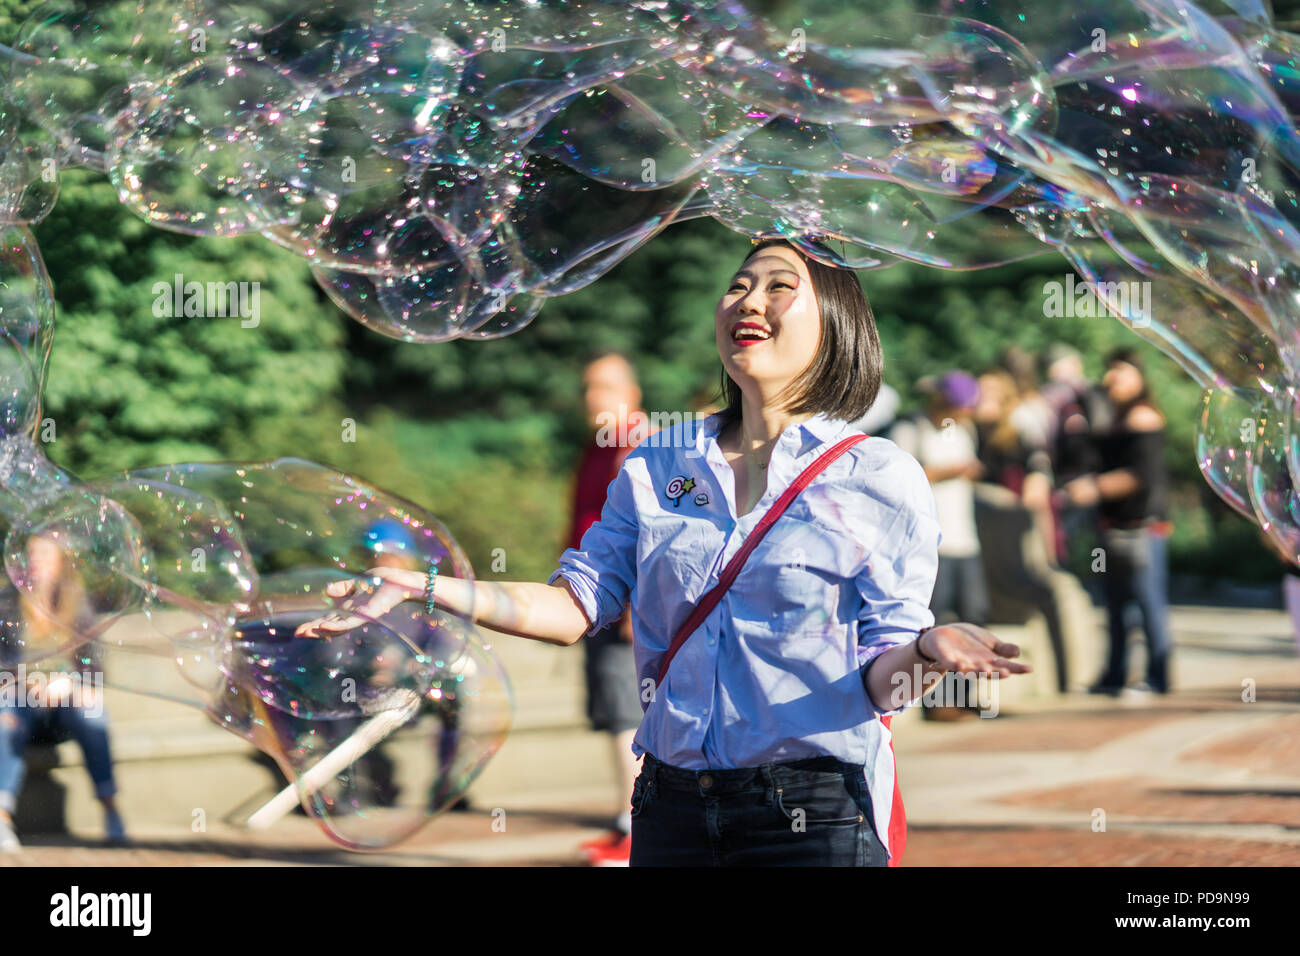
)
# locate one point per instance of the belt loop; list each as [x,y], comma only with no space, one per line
[770,779]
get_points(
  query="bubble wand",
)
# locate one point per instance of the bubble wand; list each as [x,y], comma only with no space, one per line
[364,739]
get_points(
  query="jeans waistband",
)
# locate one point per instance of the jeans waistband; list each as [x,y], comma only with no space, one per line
[733,780]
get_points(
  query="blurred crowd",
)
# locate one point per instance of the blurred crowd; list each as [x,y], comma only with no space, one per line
[1082,460]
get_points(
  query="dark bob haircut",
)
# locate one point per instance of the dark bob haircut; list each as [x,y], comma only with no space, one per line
[1131,356]
[843,379]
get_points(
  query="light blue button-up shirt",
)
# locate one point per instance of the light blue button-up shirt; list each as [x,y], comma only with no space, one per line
[775,673]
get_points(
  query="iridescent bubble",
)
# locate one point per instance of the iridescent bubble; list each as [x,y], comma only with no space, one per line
[27,328]
[397,81]
[297,516]
[1225,439]
[29,171]
[374,776]
[378,729]
[655,127]
[504,320]
[74,64]
[232,557]
[197,141]
[78,540]
[1273,489]
[345,675]
[426,307]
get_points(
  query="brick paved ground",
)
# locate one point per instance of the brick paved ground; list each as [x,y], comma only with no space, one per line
[1013,846]
[1207,776]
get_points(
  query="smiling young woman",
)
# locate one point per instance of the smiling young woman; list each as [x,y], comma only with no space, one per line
[782,563]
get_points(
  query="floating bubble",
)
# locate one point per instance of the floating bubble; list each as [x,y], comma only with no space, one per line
[1225,440]
[83,542]
[375,775]
[1273,489]
[198,139]
[195,578]
[75,65]
[29,170]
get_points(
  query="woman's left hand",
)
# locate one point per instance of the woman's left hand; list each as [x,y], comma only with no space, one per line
[971,649]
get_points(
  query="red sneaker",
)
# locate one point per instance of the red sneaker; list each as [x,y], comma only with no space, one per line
[612,850]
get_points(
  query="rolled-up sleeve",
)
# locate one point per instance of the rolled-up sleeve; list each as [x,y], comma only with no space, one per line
[602,570]
[897,585]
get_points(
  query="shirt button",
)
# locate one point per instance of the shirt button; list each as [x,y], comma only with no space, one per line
[706,781]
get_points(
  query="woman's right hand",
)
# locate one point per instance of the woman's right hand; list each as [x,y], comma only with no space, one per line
[394,586]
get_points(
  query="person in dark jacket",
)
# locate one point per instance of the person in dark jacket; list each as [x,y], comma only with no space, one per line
[1130,490]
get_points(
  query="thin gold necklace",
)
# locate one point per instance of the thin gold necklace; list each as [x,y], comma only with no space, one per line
[750,454]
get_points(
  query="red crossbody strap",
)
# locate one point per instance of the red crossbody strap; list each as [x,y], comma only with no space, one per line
[711,599]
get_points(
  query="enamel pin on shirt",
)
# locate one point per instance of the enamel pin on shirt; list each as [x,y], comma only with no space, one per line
[678,487]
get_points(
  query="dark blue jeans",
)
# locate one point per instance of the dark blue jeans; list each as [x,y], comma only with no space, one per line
[814,812]
[1138,572]
[88,729]
[960,589]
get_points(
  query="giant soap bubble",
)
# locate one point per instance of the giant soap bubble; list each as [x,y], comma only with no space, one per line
[446,167]
[195,577]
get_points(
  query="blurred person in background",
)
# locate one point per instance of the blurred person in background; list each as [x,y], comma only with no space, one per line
[393,546]
[64,700]
[1032,415]
[1015,457]
[612,400]
[1290,588]
[1130,491]
[1013,450]
[1079,408]
[942,438]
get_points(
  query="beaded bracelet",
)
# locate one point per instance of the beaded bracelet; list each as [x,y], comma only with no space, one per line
[430,580]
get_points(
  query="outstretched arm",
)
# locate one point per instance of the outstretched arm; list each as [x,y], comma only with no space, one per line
[543,612]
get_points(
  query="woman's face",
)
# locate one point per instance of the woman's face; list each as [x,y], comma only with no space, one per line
[44,558]
[993,399]
[767,324]
[1123,382]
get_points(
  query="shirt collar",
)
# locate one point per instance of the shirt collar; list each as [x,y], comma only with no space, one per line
[811,433]
[820,428]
